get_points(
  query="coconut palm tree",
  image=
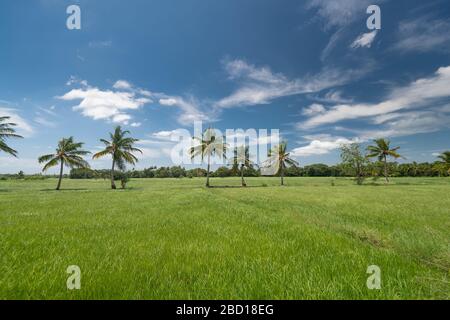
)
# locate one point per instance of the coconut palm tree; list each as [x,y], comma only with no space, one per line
[279,159]
[382,150]
[69,154]
[208,145]
[7,131]
[121,150]
[242,158]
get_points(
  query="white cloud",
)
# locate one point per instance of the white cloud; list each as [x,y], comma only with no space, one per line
[122,84]
[23,127]
[408,123]
[75,80]
[261,85]
[105,105]
[424,34]
[190,110]
[136,124]
[333,96]
[44,122]
[417,94]
[100,44]
[341,13]
[365,40]
[320,145]
[313,109]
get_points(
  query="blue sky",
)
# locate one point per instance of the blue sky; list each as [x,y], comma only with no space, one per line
[311,69]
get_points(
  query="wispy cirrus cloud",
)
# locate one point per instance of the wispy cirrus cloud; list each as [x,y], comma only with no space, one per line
[259,85]
[423,34]
[364,40]
[340,13]
[419,93]
[190,110]
[416,108]
[23,126]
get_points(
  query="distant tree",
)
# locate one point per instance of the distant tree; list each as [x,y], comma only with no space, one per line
[280,159]
[82,173]
[121,149]
[222,172]
[177,172]
[20,175]
[242,158]
[445,160]
[353,157]
[382,151]
[7,131]
[68,153]
[209,145]
[162,172]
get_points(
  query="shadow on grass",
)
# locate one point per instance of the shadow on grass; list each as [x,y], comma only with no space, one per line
[235,187]
[62,190]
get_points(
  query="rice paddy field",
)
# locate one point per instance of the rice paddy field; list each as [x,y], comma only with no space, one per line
[175,239]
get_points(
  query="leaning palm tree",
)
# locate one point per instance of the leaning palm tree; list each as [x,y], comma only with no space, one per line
[69,154]
[121,150]
[208,145]
[279,160]
[382,150]
[7,131]
[242,158]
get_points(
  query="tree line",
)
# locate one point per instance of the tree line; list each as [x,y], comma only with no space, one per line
[120,146]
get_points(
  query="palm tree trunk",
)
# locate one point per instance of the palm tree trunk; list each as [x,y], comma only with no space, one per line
[113,185]
[242,176]
[386,169]
[207,171]
[58,187]
[282,174]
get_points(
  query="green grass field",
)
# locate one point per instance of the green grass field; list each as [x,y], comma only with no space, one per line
[175,239]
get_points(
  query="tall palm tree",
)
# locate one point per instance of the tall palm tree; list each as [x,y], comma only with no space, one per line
[280,159]
[382,150]
[69,154]
[208,145]
[121,150]
[6,131]
[242,158]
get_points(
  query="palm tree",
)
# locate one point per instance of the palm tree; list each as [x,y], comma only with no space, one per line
[280,160]
[445,159]
[121,150]
[209,145]
[242,158]
[69,154]
[382,150]
[6,131]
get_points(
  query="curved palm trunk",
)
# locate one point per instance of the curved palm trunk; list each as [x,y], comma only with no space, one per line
[113,185]
[58,187]
[242,176]
[386,169]
[207,171]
